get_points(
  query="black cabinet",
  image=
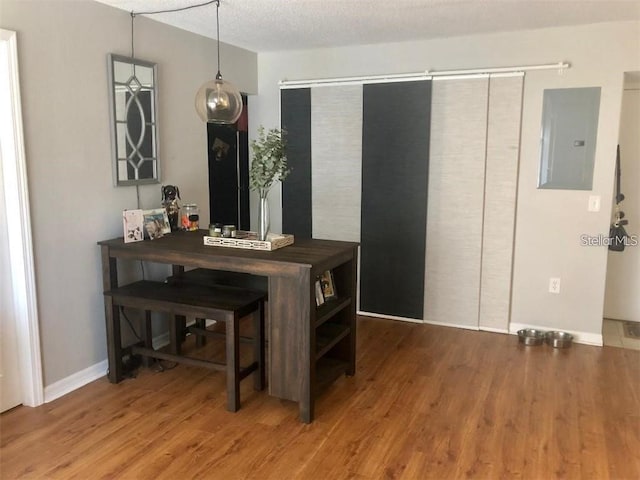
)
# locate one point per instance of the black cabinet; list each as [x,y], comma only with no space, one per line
[228,152]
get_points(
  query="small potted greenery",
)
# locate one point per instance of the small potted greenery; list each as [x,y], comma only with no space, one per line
[268,166]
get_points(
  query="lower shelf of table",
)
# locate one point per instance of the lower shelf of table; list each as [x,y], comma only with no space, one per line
[328,335]
[327,371]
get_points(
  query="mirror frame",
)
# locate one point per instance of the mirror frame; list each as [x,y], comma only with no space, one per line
[117,182]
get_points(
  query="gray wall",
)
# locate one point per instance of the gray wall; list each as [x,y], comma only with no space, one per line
[62,48]
[549,223]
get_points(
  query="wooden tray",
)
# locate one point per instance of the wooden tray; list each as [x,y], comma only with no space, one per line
[249,241]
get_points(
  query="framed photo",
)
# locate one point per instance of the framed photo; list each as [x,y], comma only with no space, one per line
[328,285]
[133,224]
[319,295]
[156,222]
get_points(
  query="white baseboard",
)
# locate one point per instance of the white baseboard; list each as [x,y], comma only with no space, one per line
[494,330]
[75,381]
[388,317]
[88,375]
[586,338]
[429,322]
[453,325]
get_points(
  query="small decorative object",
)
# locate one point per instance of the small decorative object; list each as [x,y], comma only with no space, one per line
[170,197]
[156,222]
[220,149]
[133,223]
[190,217]
[328,285]
[215,230]
[319,295]
[264,219]
[229,231]
[268,166]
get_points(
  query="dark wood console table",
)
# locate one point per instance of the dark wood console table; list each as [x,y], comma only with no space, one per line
[308,346]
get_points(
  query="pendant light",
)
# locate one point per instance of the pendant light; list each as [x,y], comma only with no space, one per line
[218,101]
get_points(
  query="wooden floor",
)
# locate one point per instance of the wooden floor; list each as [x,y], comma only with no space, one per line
[426,402]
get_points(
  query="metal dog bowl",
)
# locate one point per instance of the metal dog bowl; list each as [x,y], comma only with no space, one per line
[558,339]
[530,336]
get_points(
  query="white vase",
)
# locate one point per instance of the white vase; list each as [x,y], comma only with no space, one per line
[263,216]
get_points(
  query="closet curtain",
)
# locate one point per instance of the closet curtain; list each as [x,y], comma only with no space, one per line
[423,174]
[475,141]
[359,159]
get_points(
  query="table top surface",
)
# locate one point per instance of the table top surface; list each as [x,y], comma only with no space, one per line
[303,252]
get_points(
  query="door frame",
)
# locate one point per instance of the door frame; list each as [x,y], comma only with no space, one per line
[13,164]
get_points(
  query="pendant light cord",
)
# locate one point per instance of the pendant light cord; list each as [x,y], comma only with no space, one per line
[231,90]
[188,7]
[133,16]
[218,75]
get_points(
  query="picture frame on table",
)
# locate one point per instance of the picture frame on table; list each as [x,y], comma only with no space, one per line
[133,225]
[156,222]
[328,285]
[319,295]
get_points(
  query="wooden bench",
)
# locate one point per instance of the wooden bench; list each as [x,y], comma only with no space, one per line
[221,303]
[207,277]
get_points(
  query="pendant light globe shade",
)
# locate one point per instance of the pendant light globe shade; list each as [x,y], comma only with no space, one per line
[218,101]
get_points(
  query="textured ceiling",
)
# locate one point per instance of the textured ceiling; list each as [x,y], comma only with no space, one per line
[273,25]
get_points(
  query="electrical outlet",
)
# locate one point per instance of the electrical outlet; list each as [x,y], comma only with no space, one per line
[554,285]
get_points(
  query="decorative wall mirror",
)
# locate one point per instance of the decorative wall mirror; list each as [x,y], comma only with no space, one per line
[133,95]
[568,143]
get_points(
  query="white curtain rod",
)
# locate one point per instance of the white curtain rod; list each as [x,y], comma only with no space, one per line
[522,68]
[412,77]
[397,77]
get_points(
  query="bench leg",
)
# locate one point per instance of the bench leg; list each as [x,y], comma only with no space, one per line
[259,378]
[176,334]
[233,362]
[147,335]
[201,340]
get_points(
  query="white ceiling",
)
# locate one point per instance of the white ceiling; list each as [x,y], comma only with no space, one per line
[274,25]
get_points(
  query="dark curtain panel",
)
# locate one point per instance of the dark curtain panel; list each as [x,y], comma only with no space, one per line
[395,159]
[296,189]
